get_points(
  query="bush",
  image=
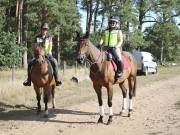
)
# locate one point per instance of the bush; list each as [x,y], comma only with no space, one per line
[10,51]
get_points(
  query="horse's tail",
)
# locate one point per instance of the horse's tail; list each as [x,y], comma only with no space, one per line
[134,86]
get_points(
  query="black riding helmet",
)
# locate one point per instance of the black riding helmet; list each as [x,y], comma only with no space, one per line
[113,19]
[44,26]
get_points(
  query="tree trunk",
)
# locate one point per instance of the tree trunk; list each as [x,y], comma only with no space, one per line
[58,46]
[95,14]
[102,22]
[24,35]
[90,14]
[141,14]
[162,52]
[87,17]
[18,20]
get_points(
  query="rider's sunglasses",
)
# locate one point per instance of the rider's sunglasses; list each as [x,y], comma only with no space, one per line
[44,29]
[112,22]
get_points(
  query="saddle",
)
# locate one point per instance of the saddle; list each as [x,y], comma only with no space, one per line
[114,64]
[45,60]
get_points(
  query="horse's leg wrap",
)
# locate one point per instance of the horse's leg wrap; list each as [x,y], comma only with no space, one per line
[110,111]
[124,107]
[130,107]
[110,106]
[101,111]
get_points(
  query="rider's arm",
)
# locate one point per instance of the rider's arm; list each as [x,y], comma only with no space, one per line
[35,43]
[101,39]
[50,45]
[120,38]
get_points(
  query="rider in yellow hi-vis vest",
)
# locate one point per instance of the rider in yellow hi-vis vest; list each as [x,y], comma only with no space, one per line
[39,40]
[112,39]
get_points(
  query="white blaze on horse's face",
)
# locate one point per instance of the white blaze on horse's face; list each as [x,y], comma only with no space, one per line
[83,49]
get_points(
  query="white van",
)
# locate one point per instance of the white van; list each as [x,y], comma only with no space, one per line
[146,62]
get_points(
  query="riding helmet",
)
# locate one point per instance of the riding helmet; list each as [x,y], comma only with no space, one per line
[44,26]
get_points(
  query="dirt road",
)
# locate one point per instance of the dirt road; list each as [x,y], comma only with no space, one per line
[154,114]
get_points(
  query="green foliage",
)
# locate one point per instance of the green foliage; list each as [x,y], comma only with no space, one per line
[165,35]
[95,38]
[177,104]
[64,20]
[10,51]
[137,40]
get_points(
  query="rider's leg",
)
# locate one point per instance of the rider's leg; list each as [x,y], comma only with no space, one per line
[27,82]
[118,51]
[118,61]
[55,69]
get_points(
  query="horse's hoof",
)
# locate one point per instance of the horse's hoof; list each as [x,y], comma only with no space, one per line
[45,115]
[100,120]
[130,110]
[38,112]
[109,122]
[129,113]
[121,112]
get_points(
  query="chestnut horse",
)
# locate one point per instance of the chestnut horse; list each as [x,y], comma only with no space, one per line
[102,74]
[43,81]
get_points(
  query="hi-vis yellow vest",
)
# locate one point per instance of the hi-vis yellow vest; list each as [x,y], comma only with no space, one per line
[48,47]
[111,39]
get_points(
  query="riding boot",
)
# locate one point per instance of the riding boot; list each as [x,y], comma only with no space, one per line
[27,82]
[55,69]
[55,73]
[58,82]
[120,69]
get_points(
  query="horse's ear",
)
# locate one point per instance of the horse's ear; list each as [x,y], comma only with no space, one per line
[87,34]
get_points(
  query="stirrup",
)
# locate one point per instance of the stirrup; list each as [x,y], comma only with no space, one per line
[58,83]
[119,74]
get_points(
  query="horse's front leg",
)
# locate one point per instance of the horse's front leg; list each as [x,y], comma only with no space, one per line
[124,93]
[46,102]
[132,90]
[110,96]
[101,108]
[38,97]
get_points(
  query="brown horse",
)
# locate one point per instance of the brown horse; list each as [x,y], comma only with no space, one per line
[43,81]
[102,74]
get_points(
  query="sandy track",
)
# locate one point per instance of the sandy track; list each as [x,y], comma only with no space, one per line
[154,114]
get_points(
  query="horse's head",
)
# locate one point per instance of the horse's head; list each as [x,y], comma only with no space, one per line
[39,54]
[83,49]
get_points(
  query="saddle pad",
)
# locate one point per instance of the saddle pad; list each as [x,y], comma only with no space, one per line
[125,62]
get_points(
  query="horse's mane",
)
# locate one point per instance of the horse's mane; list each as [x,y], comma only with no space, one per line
[87,41]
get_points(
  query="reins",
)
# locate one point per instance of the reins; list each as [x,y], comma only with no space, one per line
[95,61]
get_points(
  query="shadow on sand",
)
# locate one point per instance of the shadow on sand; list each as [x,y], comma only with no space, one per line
[25,113]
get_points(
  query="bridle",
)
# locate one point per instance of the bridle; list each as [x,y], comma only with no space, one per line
[91,63]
